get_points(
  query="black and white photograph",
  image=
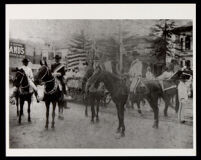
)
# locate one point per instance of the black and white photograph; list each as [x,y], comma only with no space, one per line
[100,83]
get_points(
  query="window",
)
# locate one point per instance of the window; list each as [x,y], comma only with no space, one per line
[188,63]
[188,43]
[181,44]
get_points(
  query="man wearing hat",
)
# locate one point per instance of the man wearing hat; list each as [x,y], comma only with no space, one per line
[58,70]
[135,73]
[30,77]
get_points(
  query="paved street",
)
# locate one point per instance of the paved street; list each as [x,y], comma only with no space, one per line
[76,130]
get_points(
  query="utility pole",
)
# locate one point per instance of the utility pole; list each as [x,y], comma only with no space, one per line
[120,47]
[34,55]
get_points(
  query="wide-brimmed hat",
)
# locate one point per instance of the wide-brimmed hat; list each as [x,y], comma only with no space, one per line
[25,60]
[57,57]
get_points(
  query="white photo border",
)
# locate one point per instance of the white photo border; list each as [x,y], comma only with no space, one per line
[95,11]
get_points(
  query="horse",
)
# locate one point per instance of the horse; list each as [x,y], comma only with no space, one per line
[91,97]
[52,93]
[118,90]
[152,90]
[23,93]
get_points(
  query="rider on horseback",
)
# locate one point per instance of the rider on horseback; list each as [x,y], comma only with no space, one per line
[58,71]
[135,73]
[29,75]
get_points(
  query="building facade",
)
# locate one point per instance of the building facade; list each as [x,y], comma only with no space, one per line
[182,50]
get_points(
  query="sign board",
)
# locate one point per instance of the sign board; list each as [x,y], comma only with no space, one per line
[16,49]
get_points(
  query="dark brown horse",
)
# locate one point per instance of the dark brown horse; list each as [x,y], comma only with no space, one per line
[52,93]
[23,92]
[152,90]
[117,89]
[92,98]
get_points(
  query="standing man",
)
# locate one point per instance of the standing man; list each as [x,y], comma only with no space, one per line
[135,73]
[58,71]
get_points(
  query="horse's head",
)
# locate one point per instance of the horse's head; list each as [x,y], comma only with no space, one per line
[20,76]
[95,79]
[42,75]
[141,88]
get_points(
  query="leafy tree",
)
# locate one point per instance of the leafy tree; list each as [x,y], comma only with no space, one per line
[162,33]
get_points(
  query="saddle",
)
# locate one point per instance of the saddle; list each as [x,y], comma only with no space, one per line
[167,85]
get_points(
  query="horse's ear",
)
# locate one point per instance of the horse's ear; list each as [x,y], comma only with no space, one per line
[45,63]
[41,63]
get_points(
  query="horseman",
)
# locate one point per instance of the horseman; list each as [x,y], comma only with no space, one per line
[168,73]
[58,71]
[135,73]
[30,78]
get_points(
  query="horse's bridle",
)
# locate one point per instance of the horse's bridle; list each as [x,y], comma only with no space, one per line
[47,72]
[22,80]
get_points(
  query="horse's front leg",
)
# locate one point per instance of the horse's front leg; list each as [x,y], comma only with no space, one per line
[138,106]
[97,110]
[121,114]
[21,109]
[156,110]
[29,111]
[17,105]
[154,105]
[47,104]
[53,114]
[92,109]
[86,106]
[118,115]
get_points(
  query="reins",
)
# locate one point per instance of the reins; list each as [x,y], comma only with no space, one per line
[53,79]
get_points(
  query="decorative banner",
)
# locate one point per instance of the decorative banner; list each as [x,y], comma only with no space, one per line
[16,49]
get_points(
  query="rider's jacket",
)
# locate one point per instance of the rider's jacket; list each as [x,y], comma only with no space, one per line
[59,68]
[28,72]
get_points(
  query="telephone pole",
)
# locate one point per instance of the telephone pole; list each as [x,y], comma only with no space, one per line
[120,47]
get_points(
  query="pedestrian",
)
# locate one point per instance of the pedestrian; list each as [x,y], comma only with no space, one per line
[29,74]
[183,96]
[149,74]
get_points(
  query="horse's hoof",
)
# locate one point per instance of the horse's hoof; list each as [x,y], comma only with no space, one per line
[61,117]
[92,121]
[97,119]
[122,134]
[46,126]
[155,126]
[139,111]
[52,126]
[29,120]
[118,130]
[86,115]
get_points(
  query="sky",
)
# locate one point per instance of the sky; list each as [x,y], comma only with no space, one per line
[59,32]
